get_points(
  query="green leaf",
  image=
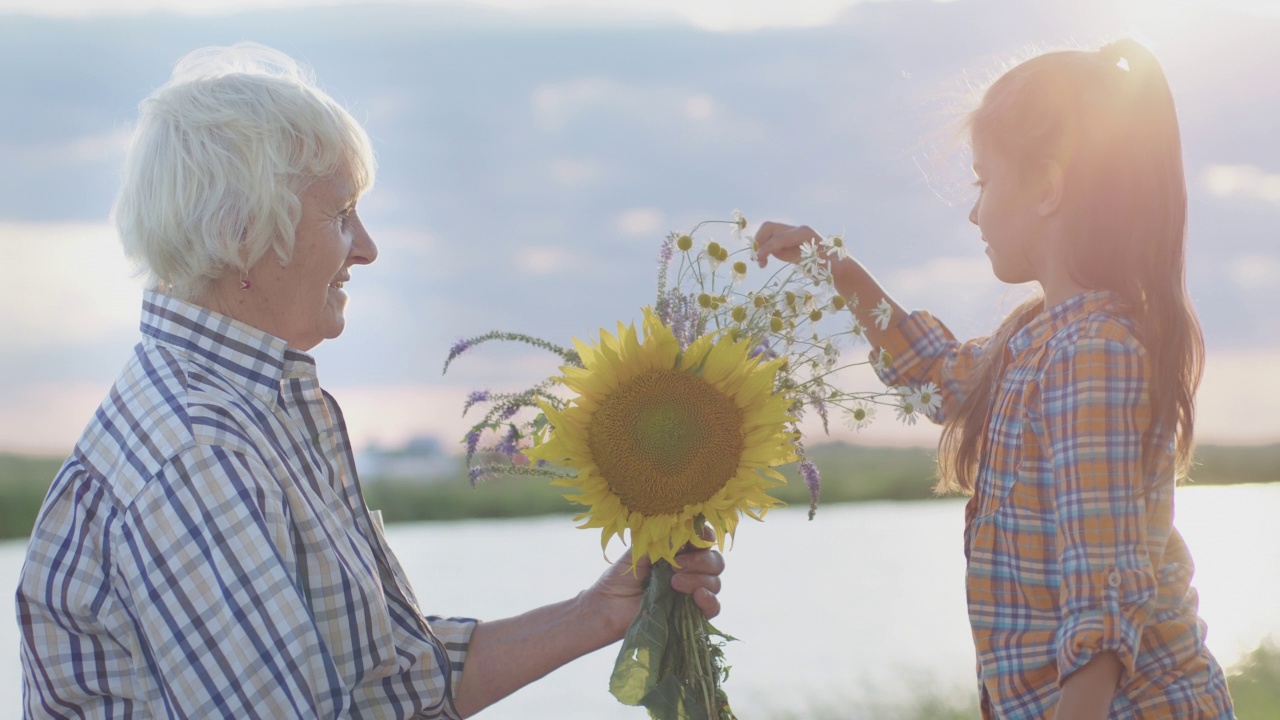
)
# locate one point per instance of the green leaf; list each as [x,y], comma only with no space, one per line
[637,670]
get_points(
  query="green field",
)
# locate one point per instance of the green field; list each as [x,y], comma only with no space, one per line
[850,473]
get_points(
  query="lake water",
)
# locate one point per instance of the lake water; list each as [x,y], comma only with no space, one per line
[865,601]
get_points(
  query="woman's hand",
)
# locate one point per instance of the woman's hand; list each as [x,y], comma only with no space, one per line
[507,654]
[618,591]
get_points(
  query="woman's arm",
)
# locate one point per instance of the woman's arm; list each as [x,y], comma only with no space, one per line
[505,655]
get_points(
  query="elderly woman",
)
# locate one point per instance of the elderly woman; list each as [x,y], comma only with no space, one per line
[206,551]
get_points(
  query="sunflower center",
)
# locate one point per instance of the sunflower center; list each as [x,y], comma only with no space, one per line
[665,440]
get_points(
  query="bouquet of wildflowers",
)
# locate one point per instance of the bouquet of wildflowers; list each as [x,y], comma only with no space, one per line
[682,424]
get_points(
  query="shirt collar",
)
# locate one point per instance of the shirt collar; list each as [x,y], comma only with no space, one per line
[1048,322]
[252,358]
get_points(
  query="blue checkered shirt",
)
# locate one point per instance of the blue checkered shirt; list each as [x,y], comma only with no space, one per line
[205,552]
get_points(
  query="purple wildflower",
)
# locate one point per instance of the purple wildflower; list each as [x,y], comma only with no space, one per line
[508,446]
[459,347]
[821,407]
[508,412]
[474,474]
[476,396]
[763,349]
[472,439]
[813,481]
[666,253]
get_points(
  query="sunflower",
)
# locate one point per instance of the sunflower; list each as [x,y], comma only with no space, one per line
[657,437]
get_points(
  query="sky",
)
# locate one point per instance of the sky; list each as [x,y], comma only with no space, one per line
[532,155]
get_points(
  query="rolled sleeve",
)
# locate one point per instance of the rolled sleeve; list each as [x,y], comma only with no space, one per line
[922,349]
[454,635]
[1095,411]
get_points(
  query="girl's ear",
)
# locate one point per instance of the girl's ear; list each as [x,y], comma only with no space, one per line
[1050,189]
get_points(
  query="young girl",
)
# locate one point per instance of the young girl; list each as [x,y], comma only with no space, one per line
[1070,424]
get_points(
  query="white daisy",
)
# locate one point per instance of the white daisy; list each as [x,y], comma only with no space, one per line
[860,416]
[908,410]
[927,398]
[830,355]
[858,332]
[835,248]
[882,314]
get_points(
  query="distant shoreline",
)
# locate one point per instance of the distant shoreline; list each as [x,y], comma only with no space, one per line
[850,473]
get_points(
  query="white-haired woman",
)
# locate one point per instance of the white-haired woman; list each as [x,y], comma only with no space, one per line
[205,551]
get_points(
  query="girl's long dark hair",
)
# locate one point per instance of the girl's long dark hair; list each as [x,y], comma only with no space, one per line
[1107,120]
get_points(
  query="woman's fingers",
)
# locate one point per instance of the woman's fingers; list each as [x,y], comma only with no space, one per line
[699,576]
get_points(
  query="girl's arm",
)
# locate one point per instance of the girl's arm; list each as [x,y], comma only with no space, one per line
[1093,414]
[851,278]
[1087,692]
[920,348]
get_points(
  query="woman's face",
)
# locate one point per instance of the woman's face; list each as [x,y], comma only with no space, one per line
[304,300]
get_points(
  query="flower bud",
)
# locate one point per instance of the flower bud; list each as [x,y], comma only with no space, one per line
[739,314]
[838,303]
[704,300]
[713,250]
[740,268]
[815,316]
[775,323]
[684,242]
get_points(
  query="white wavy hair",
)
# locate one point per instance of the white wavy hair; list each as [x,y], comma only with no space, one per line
[218,160]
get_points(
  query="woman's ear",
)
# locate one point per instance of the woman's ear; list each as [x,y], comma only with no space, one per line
[1050,189]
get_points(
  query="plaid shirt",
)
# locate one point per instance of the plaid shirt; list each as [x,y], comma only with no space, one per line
[1069,536]
[205,552]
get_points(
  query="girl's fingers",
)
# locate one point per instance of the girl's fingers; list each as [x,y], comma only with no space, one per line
[781,241]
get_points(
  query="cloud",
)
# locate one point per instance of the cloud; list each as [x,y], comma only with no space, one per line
[700,107]
[68,284]
[1243,181]
[575,173]
[544,259]
[640,222]
[555,106]
[1255,272]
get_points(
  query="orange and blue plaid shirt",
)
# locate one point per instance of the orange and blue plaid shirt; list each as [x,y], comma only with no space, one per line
[1069,536]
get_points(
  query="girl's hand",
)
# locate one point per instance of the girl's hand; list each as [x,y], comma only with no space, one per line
[850,277]
[782,241]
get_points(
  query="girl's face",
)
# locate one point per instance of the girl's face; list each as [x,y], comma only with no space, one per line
[1006,213]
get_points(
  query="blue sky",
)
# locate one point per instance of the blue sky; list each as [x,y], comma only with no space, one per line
[532,155]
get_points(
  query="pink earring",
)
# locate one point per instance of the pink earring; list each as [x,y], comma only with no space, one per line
[244,281]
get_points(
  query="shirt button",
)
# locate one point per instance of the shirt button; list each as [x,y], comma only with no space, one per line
[1113,578]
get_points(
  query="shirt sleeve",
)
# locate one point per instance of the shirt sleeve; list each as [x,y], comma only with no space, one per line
[922,350]
[218,611]
[1095,410]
